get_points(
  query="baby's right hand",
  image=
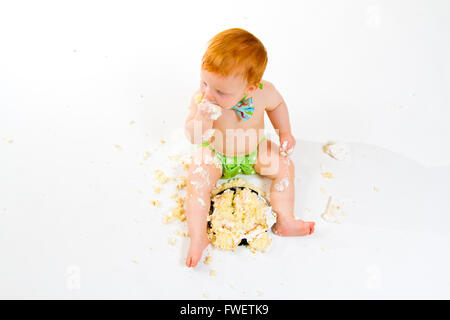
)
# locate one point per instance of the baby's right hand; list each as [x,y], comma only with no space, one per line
[207,110]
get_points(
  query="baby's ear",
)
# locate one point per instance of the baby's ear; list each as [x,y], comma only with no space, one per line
[251,89]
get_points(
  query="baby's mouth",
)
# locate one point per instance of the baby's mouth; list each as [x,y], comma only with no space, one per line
[214,103]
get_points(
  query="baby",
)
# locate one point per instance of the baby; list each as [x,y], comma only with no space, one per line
[226,121]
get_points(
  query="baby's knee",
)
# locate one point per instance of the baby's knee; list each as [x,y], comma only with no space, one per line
[202,176]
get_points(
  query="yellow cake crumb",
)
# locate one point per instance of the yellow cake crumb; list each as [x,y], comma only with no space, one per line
[172,241]
[181,182]
[376,189]
[132,122]
[117,147]
[208,260]
[260,243]
[168,218]
[10,141]
[212,273]
[175,157]
[327,175]
[161,177]
[157,189]
[177,212]
[181,233]
[155,203]
[162,141]
[198,98]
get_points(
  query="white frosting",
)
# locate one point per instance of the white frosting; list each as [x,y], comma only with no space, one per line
[214,110]
[283,184]
[338,151]
[203,204]
[271,218]
[199,170]
[207,135]
[197,185]
[334,211]
[204,174]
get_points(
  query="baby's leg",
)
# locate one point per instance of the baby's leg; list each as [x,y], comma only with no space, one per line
[203,174]
[282,191]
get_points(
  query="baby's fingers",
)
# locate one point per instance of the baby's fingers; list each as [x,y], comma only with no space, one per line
[286,148]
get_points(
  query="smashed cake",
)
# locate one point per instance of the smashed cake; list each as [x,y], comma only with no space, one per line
[240,214]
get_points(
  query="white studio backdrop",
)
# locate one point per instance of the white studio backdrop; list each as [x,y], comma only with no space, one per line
[365,71]
[375,72]
[88,89]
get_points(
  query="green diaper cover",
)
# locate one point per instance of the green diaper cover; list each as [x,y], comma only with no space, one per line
[232,166]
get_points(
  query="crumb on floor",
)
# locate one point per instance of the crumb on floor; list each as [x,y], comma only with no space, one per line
[327,175]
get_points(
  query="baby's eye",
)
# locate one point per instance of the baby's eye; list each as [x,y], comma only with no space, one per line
[221,93]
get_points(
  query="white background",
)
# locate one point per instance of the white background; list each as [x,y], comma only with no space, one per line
[74,74]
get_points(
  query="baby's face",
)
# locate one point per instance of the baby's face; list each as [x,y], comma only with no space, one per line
[223,91]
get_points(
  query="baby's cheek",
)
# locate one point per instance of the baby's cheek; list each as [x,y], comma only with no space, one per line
[228,104]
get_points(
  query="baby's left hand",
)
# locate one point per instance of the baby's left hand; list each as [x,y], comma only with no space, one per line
[287,142]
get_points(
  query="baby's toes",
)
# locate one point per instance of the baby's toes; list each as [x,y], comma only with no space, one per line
[193,259]
[311,227]
[189,262]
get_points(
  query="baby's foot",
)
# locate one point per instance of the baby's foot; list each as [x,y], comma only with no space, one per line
[294,228]
[195,250]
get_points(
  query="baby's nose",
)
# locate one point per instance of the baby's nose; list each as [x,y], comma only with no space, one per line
[208,96]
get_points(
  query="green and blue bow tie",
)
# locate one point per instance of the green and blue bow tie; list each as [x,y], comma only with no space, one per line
[244,108]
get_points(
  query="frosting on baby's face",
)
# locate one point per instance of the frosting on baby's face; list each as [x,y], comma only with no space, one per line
[223,91]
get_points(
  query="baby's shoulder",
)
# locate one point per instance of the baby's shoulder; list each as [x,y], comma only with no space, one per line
[269,95]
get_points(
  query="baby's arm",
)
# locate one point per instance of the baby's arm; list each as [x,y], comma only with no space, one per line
[198,121]
[279,117]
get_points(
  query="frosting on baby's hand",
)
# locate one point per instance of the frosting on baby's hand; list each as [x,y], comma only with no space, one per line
[283,150]
[214,110]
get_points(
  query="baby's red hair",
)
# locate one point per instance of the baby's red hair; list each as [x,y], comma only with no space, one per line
[236,52]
